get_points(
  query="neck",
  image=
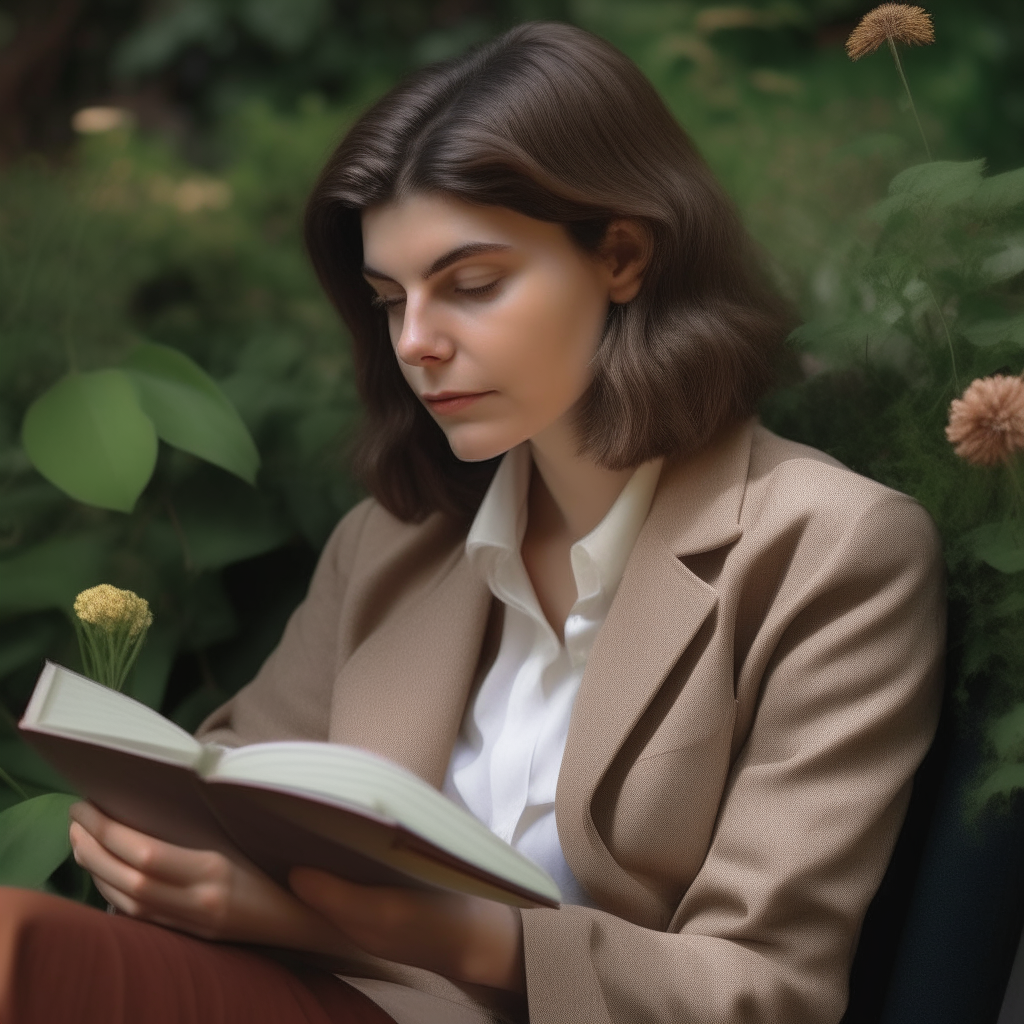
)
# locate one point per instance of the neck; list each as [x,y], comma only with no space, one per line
[575,493]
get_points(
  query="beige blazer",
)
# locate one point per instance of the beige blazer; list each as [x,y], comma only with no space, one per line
[740,753]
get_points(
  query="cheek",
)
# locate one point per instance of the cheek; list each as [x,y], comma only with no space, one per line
[555,342]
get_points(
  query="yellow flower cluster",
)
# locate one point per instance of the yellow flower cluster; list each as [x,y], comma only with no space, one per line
[111,609]
[111,625]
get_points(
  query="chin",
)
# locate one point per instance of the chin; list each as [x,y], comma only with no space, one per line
[473,446]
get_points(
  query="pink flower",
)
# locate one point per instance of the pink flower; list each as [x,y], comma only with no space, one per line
[897,23]
[986,426]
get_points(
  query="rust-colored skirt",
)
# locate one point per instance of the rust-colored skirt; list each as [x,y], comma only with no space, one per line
[64,963]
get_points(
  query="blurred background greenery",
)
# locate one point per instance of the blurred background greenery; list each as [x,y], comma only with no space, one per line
[180,224]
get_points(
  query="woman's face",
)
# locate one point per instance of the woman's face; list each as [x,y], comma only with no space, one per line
[494,316]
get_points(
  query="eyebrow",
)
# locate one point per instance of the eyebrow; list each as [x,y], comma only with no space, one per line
[450,257]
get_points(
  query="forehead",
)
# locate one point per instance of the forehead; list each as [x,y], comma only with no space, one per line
[407,235]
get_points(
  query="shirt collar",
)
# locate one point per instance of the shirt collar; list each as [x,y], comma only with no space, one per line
[598,559]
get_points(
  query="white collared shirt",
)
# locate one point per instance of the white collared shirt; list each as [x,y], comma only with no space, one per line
[504,767]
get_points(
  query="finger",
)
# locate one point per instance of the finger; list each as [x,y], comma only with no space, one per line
[153,857]
[107,871]
[130,890]
[124,904]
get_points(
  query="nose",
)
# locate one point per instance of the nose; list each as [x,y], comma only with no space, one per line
[422,339]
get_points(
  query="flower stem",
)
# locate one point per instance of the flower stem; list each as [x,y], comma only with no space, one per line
[913,109]
[10,782]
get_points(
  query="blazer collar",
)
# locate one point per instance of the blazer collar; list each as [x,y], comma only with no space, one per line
[403,691]
[658,610]
[698,502]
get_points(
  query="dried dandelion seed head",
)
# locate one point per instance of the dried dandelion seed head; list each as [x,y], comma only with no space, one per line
[900,23]
[111,608]
[986,426]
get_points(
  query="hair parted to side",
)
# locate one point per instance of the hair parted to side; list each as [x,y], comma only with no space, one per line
[554,123]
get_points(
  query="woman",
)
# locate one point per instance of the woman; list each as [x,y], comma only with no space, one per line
[687,666]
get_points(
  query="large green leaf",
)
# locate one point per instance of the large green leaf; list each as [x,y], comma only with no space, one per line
[89,436]
[190,411]
[34,839]
[1001,545]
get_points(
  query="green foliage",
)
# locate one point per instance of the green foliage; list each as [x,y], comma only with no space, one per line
[89,436]
[1000,545]
[189,411]
[922,296]
[187,279]
[174,303]
[34,840]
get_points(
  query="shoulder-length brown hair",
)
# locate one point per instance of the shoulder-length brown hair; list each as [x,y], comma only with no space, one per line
[552,122]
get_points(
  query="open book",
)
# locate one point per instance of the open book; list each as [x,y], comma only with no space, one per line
[281,804]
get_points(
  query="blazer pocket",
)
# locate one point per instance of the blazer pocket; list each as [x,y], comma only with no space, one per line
[659,821]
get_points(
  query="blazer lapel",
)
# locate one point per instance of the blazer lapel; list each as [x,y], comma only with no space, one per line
[422,662]
[658,609]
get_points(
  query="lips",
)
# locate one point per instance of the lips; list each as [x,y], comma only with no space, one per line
[445,403]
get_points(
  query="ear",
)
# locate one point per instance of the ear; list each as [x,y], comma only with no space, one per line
[626,252]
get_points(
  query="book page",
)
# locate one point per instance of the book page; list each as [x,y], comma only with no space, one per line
[361,780]
[65,703]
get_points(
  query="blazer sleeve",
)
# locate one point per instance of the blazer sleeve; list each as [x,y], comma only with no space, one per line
[847,707]
[290,696]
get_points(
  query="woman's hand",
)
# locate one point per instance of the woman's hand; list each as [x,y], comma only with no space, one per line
[462,937]
[206,894]
[196,891]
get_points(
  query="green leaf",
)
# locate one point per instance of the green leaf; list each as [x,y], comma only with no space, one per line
[943,181]
[26,765]
[852,339]
[50,574]
[89,436]
[988,333]
[1000,193]
[34,839]
[1000,545]
[1006,263]
[938,184]
[189,411]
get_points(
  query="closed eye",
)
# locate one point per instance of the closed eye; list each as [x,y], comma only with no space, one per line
[482,290]
[380,302]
